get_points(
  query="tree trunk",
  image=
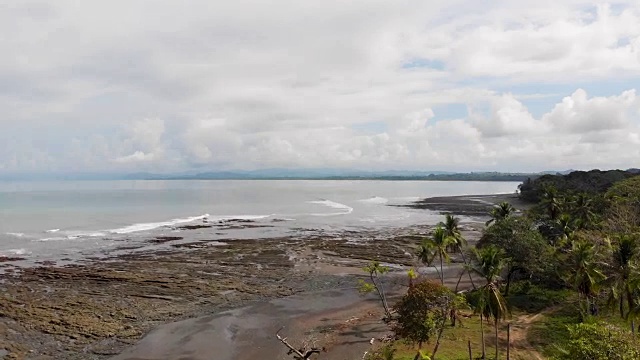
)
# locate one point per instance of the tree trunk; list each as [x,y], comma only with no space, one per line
[464,259]
[508,286]
[442,325]
[417,357]
[459,278]
[469,346]
[496,326]
[382,296]
[484,356]
[437,271]
[441,272]
[508,341]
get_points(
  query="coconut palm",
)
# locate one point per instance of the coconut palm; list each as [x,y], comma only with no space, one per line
[489,263]
[435,247]
[565,226]
[500,212]
[582,209]
[552,202]
[624,280]
[585,275]
[451,226]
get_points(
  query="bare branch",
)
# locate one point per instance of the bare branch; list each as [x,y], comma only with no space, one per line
[301,354]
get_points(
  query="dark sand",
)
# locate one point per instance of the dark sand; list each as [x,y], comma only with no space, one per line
[468,205]
[341,320]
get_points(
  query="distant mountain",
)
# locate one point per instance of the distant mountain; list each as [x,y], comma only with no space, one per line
[339,174]
[283,173]
[290,174]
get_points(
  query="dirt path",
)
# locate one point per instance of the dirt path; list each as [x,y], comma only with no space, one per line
[520,346]
[519,332]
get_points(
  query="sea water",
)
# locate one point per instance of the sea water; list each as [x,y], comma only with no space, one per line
[76,219]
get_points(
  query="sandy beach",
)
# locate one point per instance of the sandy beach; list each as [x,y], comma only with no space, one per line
[211,300]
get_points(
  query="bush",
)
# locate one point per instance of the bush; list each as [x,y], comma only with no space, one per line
[422,311]
[600,341]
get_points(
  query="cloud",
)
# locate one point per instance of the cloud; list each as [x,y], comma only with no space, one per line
[579,114]
[120,86]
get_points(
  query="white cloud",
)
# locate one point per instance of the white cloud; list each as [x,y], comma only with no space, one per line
[124,85]
[578,113]
[508,116]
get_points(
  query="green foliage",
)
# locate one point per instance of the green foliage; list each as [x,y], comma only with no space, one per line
[375,270]
[551,334]
[451,228]
[501,212]
[365,287]
[529,253]
[589,182]
[627,191]
[624,275]
[422,311]
[489,262]
[600,341]
[435,247]
[624,206]
[535,298]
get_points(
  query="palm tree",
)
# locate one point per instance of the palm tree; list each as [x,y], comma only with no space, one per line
[582,209]
[451,226]
[501,212]
[565,225]
[435,246]
[625,276]
[490,261]
[584,271]
[552,202]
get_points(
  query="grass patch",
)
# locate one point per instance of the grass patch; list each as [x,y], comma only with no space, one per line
[533,298]
[453,345]
[551,333]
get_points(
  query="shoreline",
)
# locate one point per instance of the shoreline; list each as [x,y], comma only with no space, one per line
[97,310]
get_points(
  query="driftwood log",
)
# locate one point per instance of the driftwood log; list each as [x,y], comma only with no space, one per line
[298,354]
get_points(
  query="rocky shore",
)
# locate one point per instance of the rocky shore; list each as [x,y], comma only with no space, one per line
[96,309]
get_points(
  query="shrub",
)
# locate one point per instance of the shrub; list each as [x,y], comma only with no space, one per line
[600,341]
[423,312]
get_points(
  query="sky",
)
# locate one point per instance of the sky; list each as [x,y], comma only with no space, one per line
[200,85]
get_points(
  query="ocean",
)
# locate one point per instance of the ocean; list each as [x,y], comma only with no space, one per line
[71,220]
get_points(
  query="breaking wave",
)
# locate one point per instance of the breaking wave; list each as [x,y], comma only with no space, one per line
[155,225]
[344,209]
[375,200]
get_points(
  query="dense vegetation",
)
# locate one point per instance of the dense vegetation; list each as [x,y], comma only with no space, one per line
[578,182]
[573,259]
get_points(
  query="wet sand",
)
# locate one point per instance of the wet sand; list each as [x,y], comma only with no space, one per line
[468,205]
[216,300]
[340,320]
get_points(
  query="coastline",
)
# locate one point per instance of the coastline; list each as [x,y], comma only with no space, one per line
[98,309]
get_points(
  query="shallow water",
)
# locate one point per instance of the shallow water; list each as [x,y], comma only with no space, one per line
[76,219]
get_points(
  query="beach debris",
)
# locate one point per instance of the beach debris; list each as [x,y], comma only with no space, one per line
[298,354]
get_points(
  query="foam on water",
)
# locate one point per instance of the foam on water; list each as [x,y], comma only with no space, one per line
[16,234]
[345,209]
[18,251]
[155,225]
[375,200]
